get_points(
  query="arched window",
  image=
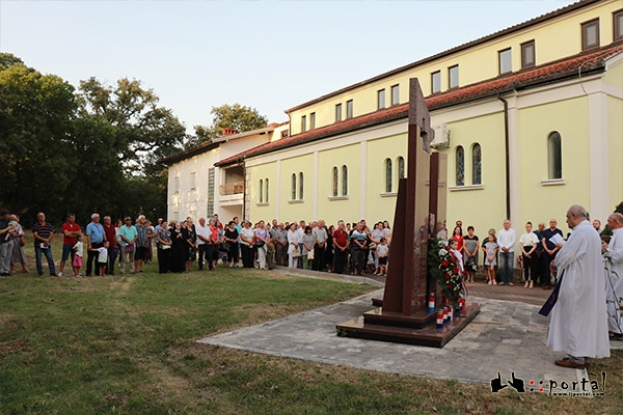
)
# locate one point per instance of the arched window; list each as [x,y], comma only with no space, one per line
[401,167]
[301,185]
[266,190]
[460,166]
[344,180]
[335,181]
[261,191]
[293,186]
[476,164]
[554,156]
[388,175]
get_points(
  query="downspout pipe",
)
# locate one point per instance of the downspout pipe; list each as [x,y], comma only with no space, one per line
[507,157]
[244,185]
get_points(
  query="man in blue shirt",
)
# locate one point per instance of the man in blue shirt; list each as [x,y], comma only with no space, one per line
[95,239]
[549,252]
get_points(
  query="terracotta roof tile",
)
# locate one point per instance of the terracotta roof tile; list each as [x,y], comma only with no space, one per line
[584,62]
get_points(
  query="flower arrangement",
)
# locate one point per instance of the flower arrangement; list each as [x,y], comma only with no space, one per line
[445,268]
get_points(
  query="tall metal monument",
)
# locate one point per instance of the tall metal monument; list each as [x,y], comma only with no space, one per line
[420,208]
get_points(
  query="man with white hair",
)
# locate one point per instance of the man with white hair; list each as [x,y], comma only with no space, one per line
[578,324]
[614,281]
[95,239]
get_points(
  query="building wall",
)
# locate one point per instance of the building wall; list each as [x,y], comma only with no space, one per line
[263,208]
[296,208]
[185,200]
[476,64]
[615,150]
[540,198]
[331,208]
[381,204]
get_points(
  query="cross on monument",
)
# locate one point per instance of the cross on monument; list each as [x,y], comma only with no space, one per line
[420,206]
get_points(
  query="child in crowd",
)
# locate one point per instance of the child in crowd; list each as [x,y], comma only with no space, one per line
[382,250]
[78,253]
[102,258]
[453,244]
[491,250]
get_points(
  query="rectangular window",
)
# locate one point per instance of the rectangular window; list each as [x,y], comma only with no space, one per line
[312,120]
[193,180]
[176,184]
[211,191]
[505,61]
[528,55]
[435,82]
[618,25]
[590,34]
[453,76]
[380,99]
[349,109]
[395,94]
[338,112]
[303,123]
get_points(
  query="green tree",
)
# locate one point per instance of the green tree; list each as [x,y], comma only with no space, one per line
[140,126]
[239,117]
[36,118]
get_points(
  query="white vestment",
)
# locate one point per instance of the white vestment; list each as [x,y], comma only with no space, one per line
[614,280]
[578,323]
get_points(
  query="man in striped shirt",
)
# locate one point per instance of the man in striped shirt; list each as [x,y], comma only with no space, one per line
[43,233]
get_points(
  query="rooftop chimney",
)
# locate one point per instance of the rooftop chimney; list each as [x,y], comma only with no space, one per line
[229,131]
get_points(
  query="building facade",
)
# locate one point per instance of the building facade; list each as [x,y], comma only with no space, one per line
[197,188]
[531,118]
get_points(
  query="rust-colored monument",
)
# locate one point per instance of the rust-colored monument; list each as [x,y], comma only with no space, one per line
[403,315]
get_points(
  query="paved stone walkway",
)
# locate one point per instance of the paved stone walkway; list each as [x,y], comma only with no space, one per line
[505,337]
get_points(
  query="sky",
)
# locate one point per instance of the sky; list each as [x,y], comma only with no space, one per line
[270,55]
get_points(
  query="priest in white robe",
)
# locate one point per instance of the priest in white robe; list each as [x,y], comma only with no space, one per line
[614,277]
[578,323]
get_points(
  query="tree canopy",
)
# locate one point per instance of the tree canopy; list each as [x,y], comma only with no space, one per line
[236,116]
[94,149]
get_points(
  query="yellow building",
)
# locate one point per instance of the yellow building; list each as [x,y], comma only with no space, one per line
[531,118]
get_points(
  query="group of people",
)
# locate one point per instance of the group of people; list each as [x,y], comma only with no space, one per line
[589,300]
[587,268]
[536,249]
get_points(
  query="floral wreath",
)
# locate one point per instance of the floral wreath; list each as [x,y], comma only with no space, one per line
[445,268]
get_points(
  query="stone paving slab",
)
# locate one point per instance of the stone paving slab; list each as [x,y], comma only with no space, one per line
[505,337]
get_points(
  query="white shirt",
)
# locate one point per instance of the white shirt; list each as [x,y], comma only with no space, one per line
[614,279]
[203,231]
[578,324]
[528,239]
[293,237]
[507,239]
[320,234]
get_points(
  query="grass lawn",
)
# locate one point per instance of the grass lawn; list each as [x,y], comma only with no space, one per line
[127,345]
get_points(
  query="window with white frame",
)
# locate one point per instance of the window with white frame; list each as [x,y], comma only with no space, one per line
[554,156]
[388,175]
[460,166]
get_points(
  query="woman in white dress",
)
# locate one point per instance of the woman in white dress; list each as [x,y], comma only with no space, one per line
[293,245]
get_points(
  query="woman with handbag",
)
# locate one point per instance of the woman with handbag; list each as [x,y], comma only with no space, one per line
[231,243]
[164,248]
[293,246]
[19,253]
[246,244]
[307,254]
[262,238]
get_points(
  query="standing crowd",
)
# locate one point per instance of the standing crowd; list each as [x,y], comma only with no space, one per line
[590,298]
